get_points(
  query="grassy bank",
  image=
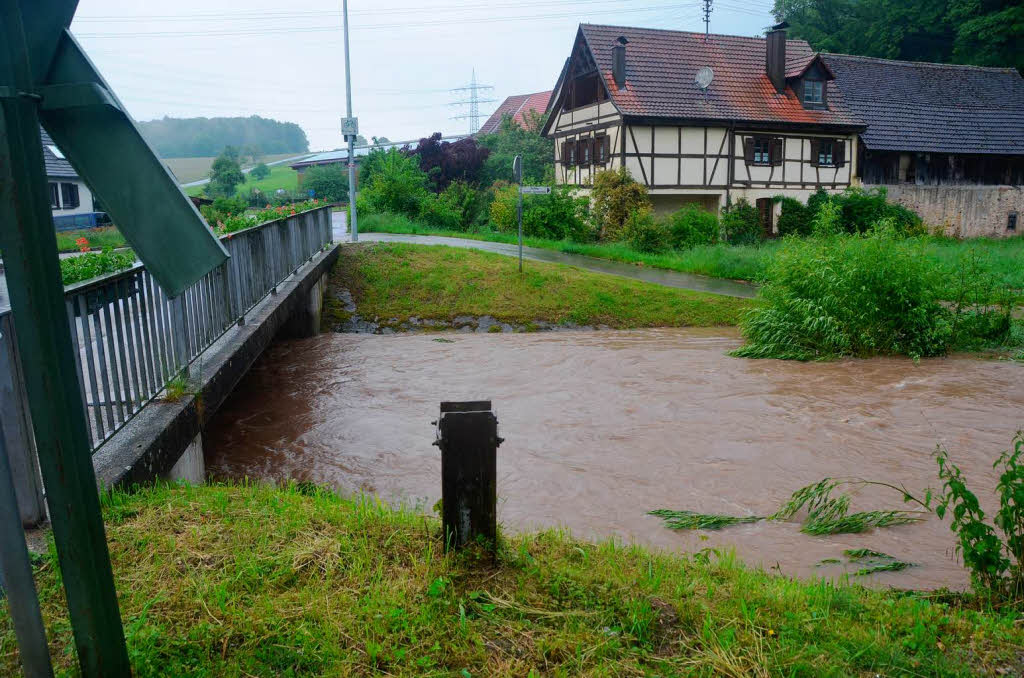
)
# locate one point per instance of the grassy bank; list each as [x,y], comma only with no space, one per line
[259,581]
[399,281]
[99,238]
[1003,258]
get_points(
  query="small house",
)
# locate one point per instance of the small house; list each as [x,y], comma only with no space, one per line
[70,199]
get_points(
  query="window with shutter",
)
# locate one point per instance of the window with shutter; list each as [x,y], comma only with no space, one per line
[585,151]
[760,152]
[69,196]
[839,152]
[815,144]
[748,150]
[54,196]
[601,149]
[571,161]
[775,153]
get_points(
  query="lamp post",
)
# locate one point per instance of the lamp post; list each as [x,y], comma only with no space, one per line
[350,129]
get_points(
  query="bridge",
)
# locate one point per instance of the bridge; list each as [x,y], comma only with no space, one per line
[136,346]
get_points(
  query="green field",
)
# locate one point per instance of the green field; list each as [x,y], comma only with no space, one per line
[396,280]
[281,176]
[188,170]
[253,580]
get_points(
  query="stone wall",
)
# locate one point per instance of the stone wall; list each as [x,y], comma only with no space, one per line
[963,211]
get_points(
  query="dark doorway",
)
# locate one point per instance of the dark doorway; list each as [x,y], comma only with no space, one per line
[765,207]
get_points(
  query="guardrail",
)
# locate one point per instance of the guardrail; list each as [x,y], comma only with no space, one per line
[132,340]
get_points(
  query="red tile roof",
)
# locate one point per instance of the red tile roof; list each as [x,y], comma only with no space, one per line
[516,106]
[661,66]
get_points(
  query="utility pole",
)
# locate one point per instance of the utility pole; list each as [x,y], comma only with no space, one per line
[474,88]
[707,19]
[350,129]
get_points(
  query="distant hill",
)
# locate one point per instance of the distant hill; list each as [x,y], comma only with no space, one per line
[196,137]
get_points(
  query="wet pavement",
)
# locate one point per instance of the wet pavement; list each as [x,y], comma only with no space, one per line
[601,427]
[686,281]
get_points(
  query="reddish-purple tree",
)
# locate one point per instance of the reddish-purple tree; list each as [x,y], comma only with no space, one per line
[445,162]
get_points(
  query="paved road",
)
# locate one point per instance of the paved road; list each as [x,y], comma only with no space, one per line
[687,281]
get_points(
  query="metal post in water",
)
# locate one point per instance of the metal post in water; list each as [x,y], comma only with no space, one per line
[467,433]
[16,578]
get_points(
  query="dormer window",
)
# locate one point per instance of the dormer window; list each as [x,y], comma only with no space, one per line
[814,92]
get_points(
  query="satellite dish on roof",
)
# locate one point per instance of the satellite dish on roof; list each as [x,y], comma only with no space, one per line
[704,77]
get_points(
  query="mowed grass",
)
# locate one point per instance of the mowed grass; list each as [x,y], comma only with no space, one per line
[281,176]
[258,581]
[188,170]
[107,236]
[399,281]
[1003,258]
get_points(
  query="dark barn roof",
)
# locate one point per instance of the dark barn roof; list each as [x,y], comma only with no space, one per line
[933,108]
[661,67]
[55,166]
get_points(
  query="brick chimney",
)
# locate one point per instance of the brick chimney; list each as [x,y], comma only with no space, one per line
[619,62]
[775,56]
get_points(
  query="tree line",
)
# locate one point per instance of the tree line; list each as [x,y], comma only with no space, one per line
[202,137]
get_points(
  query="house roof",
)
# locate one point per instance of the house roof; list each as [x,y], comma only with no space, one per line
[661,67]
[933,108]
[56,164]
[516,106]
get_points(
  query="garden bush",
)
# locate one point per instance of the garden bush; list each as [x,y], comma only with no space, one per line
[396,185]
[862,209]
[795,218]
[861,294]
[558,215]
[328,182]
[454,209]
[616,195]
[93,264]
[693,226]
[644,232]
[741,224]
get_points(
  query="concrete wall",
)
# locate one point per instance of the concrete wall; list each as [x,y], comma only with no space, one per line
[963,211]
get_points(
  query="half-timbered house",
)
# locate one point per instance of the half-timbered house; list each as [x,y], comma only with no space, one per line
[763,120]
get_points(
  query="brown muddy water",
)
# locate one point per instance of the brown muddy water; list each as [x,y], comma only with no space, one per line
[601,427]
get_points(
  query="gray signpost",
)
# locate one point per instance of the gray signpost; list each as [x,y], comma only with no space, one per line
[46,77]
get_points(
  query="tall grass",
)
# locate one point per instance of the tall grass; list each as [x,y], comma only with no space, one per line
[839,295]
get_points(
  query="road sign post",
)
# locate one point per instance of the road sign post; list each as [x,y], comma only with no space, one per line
[517,177]
[349,131]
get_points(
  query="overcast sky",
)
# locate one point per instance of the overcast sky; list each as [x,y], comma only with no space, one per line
[185,58]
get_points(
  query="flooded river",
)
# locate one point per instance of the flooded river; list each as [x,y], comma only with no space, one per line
[601,427]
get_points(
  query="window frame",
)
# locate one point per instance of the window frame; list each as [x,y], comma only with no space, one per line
[831,154]
[820,101]
[601,149]
[54,189]
[762,151]
[70,197]
[1011,221]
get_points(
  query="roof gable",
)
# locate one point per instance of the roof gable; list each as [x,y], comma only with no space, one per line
[517,106]
[56,165]
[661,67]
[933,108]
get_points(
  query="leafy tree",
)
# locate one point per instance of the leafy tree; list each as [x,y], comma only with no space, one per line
[260,171]
[327,181]
[980,32]
[512,139]
[445,162]
[380,141]
[395,183]
[225,174]
[616,195]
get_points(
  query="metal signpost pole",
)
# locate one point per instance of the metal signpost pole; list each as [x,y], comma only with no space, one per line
[350,136]
[517,176]
[29,244]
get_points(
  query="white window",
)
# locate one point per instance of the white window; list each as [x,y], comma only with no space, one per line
[814,92]
[762,151]
[826,155]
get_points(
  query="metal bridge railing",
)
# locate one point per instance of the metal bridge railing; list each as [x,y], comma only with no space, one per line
[132,340]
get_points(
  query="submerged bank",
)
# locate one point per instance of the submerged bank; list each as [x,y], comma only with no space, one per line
[253,580]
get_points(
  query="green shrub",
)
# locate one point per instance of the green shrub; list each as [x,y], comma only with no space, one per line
[828,220]
[396,185]
[646,233]
[693,226]
[329,182]
[861,210]
[558,215]
[454,209]
[616,195]
[260,171]
[795,218]
[863,294]
[996,564]
[741,224]
[93,264]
